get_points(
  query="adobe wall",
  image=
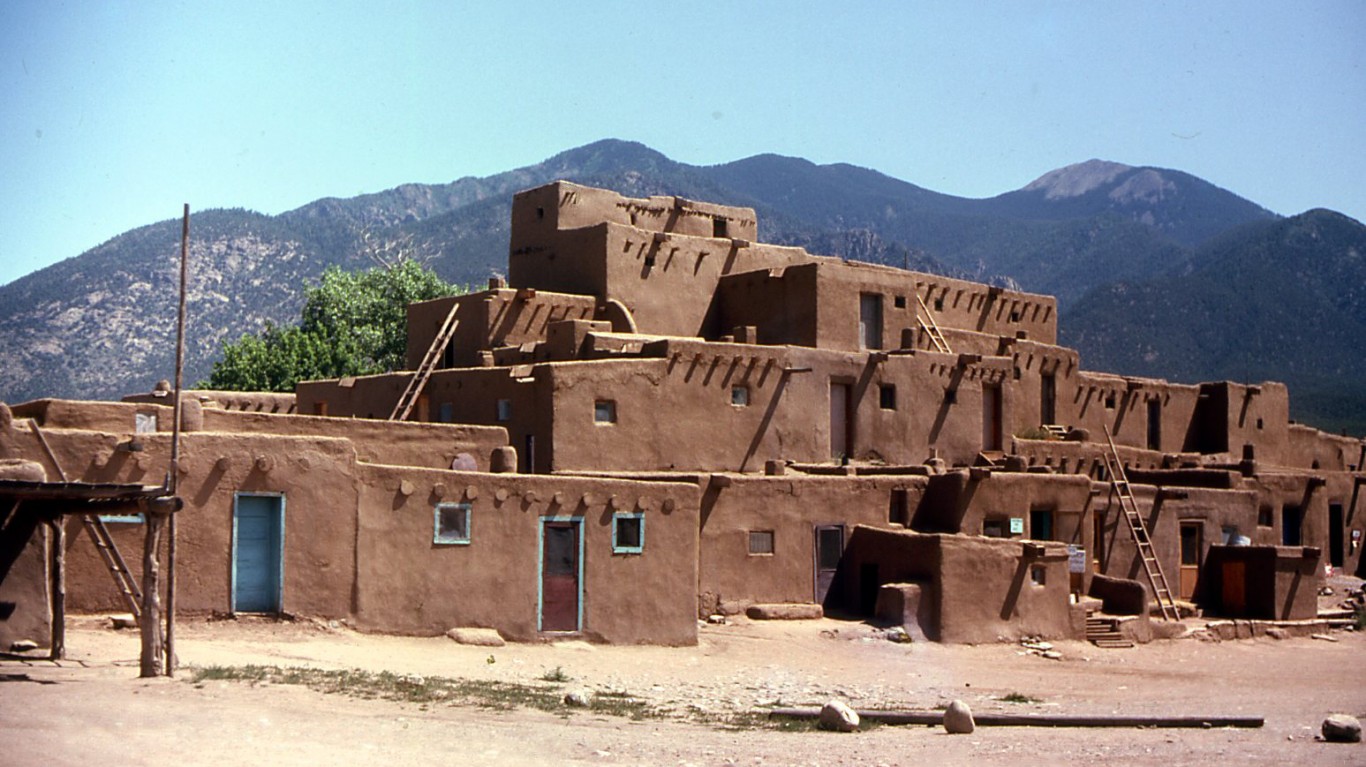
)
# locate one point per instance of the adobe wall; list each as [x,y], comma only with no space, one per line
[988,309]
[407,583]
[780,303]
[982,589]
[965,501]
[25,603]
[1277,583]
[791,507]
[489,320]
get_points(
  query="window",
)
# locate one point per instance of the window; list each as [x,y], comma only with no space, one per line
[1038,574]
[540,213]
[504,410]
[718,227]
[899,512]
[1110,401]
[628,533]
[739,396]
[452,521]
[994,528]
[760,542]
[939,304]
[886,396]
[1266,517]
[144,423]
[899,302]
[122,519]
[1041,524]
[605,411]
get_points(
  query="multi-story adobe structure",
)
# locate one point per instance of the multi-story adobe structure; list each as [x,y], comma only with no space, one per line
[656,417]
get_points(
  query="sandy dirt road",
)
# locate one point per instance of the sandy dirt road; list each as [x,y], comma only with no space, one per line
[92,708]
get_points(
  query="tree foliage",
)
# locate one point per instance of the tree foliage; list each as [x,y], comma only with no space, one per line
[353,323]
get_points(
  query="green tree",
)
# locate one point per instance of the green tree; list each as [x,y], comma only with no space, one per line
[353,323]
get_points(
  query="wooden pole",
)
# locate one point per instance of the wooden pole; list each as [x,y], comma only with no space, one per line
[174,477]
[1036,720]
[58,554]
[152,648]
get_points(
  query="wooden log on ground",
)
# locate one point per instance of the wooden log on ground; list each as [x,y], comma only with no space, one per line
[1037,720]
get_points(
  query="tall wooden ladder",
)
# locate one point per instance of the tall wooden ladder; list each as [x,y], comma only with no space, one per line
[931,328]
[109,552]
[404,407]
[1119,484]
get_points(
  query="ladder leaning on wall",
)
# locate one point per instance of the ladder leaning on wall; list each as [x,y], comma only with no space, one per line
[931,327]
[1119,484]
[109,552]
[404,407]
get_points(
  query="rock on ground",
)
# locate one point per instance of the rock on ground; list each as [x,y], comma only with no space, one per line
[477,637]
[1342,728]
[785,612]
[958,718]
[838,716]
[578,698]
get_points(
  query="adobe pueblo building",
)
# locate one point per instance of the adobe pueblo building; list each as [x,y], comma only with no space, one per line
[657,418]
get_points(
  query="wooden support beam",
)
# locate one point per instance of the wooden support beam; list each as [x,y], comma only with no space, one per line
[1036,720]
[153,649]
[58,573]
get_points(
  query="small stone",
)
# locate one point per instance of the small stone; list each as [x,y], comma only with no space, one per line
[958,718]
[578,699]
[898,634]
[1341,728]
[477,637]
[716,619]
[123,621]
[1323,637]
[1276,632]
[23,645]
[838,716]
[1052,654]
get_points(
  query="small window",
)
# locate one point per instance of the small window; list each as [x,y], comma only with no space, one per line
[1266,517]
[739,396]
[628,533]
[1110,401]
[886,396]
[899,512]
[1259,424]
[1038,574]
[899,302]
[605,411]
[504,409]
[939,304]
[760,542]
[452,521]
[1014,315]
[145,423]
[122,519]
[718,227]
[540,213]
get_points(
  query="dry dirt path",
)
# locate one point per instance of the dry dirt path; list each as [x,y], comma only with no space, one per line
[93,709]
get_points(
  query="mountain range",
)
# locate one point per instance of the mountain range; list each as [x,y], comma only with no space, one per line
[1157,272]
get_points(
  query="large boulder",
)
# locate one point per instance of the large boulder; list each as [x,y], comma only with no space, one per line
[958,719]
[839,717]
[1341,728]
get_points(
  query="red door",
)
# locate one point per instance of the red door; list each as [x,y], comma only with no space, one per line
[560,576]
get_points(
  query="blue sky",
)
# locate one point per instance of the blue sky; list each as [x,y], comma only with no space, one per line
[113,114]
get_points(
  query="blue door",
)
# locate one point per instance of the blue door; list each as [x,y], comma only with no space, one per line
[258,545]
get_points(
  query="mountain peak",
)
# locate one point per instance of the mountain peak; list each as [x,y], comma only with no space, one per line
[1076,180]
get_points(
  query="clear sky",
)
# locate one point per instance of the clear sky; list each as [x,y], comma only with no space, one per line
[113,114]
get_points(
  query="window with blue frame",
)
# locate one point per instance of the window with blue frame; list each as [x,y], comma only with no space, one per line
[628,533]
[452,524]
[122,519]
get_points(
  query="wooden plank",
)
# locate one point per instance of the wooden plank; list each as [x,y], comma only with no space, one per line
[1037,720]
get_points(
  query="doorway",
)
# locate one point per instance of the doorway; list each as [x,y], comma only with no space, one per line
[1154,424]
[1192,540]
[829,549]
[991,417]
[870,321]
[1292,520]
[1336,536]
[561,575]
[1048,399]
[258,528]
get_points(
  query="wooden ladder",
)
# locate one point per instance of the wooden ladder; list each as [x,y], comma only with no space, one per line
[109,552]
[404,407]
[1119,484]
[931,327]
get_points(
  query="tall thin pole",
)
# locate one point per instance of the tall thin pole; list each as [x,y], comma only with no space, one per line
[174,479]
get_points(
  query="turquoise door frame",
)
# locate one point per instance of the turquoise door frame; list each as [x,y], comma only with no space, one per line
[258,545]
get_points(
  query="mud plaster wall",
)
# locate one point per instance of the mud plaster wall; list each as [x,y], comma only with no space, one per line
[315,475]
[25,604]
[489,320]
[791,507]
[409,584]
[959,503]
[1279,582]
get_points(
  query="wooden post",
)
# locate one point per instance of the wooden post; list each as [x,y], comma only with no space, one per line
[58,572]
[174,478]
[152,648]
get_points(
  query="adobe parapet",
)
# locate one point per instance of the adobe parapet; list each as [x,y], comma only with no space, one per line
[563,205]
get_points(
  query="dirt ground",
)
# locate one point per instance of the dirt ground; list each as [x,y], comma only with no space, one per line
[92,708]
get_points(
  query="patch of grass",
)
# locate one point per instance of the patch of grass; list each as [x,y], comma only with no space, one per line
[556,674]
[1019,697]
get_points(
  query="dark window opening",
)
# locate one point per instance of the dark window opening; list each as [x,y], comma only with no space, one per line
[1292,519]
[605,411]
[886,396]
[718,227]
[739,396]
[899,513]
[1110,401]
[1265,517]
[760,541]
[994,528]
[452,523]
[939,304]
[899,302]
[540,213]
[1041,524]
[628,533]
[1014,315]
